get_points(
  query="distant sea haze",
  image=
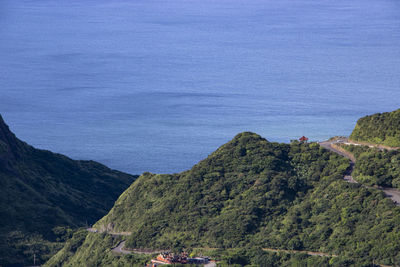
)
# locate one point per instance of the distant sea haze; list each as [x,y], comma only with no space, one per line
[157,86]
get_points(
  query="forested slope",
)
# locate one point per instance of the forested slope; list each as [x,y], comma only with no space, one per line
[375,166]
[40,190]
[248,195]
[222,200]
[380,128]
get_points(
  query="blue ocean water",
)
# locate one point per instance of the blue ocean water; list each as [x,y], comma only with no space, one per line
[157,85]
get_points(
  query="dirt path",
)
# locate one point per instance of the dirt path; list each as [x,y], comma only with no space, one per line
[392,193]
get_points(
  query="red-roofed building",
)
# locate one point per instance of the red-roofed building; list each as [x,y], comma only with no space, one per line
[303,139]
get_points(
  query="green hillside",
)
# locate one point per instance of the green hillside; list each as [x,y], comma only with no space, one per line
[375,167]
[251,194]
[40,190]
[380,128]
[222,200]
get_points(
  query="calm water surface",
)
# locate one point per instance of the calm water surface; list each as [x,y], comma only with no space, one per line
[147,85]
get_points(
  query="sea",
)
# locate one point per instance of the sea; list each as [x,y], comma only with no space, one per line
[158,85]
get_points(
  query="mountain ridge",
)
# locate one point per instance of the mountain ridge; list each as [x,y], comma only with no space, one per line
[9,144]
[41,190]
[380,128]
[249,195]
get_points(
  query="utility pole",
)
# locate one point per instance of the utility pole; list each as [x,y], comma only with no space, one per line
[34,259]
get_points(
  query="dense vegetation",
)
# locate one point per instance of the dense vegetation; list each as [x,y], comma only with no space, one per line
[381,128]
[40,190]
[252,194]
[98,246]
[223,200]
[376,167]
[256,256]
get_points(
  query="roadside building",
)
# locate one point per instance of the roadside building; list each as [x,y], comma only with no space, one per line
[303,139]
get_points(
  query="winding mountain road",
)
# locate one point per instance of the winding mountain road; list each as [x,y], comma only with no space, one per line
[392,193]
[120,248]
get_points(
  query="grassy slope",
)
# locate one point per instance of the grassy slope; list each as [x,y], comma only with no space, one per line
[380,128]
[40,190]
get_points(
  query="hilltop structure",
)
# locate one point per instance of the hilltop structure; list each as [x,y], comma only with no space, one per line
[303,139]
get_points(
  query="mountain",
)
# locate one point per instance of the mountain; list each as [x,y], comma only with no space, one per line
[246,199]
[222,201]
[41,190]
[380,128]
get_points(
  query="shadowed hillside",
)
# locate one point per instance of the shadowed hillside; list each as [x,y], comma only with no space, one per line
[40,190]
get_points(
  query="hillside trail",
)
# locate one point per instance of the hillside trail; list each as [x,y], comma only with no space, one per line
[392,193]
[311,253]
[121,245]
[331,145]
[119,249]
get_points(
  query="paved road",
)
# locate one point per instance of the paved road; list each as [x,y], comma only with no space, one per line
[392,193]
[328,145]
[120,248]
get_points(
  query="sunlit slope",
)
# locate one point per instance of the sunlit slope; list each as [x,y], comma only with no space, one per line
[380,128]
[248,195]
